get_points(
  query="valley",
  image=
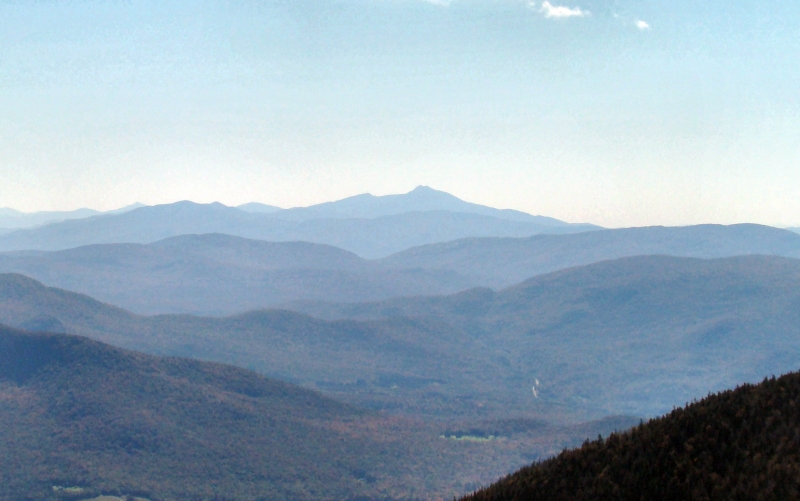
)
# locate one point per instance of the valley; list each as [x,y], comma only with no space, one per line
[173,275]
[83,419]
[633,336]
[167,362]
[399,250]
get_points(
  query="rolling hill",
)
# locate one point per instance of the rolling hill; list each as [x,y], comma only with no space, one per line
[416,368]
[739,444]
[82,419]
[502,262]
[633,336]
[218,274]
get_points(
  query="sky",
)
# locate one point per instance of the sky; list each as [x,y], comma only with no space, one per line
[618,113]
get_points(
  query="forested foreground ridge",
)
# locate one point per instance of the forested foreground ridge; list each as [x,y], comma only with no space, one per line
[742,444]
[79,419]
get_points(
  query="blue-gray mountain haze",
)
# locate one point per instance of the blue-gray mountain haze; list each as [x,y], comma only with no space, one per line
[215,274]
[633,336]
[369,226]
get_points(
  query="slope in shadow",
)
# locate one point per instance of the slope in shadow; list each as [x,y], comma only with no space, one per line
[94,419]
[739,444]
[634,336]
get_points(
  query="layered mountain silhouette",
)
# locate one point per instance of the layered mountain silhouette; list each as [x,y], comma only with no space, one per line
[420,199]
[637,335]
[216,274]
[739,444]
[83,419]
[632,336]
[11,219]
[412,367]
[501,262]
[258,208]
[381,231]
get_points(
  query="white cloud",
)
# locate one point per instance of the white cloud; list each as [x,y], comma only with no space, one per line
[443,3]
[559,11]
[642,25]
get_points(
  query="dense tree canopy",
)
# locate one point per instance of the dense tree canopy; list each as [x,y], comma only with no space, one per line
[742,444]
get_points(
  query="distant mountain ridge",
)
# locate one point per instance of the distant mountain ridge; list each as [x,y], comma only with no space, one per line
[216,274]
[363,206]
[258,208]
[175,275]
[502,262]
[368,237]
[11,219]
[420,199]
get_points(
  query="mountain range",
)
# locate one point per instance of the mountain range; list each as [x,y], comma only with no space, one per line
[633,336]
[398,347]
[420,199]
[501,262]
[383,232]
[11,219]
[215,274]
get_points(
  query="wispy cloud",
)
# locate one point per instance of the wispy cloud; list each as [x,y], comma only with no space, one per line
[642,25]
[443,3]
[560,11]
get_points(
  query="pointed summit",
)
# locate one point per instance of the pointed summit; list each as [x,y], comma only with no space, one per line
[420,199]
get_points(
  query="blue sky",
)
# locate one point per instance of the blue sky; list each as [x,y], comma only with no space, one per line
[618,113]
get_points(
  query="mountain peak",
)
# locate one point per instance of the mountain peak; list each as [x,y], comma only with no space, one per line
[431,193]
[420,199]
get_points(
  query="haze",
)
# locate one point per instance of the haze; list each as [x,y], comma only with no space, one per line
[615,113]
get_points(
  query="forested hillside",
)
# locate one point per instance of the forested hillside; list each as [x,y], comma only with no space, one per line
[634,336]
[80,418]
[742,444]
